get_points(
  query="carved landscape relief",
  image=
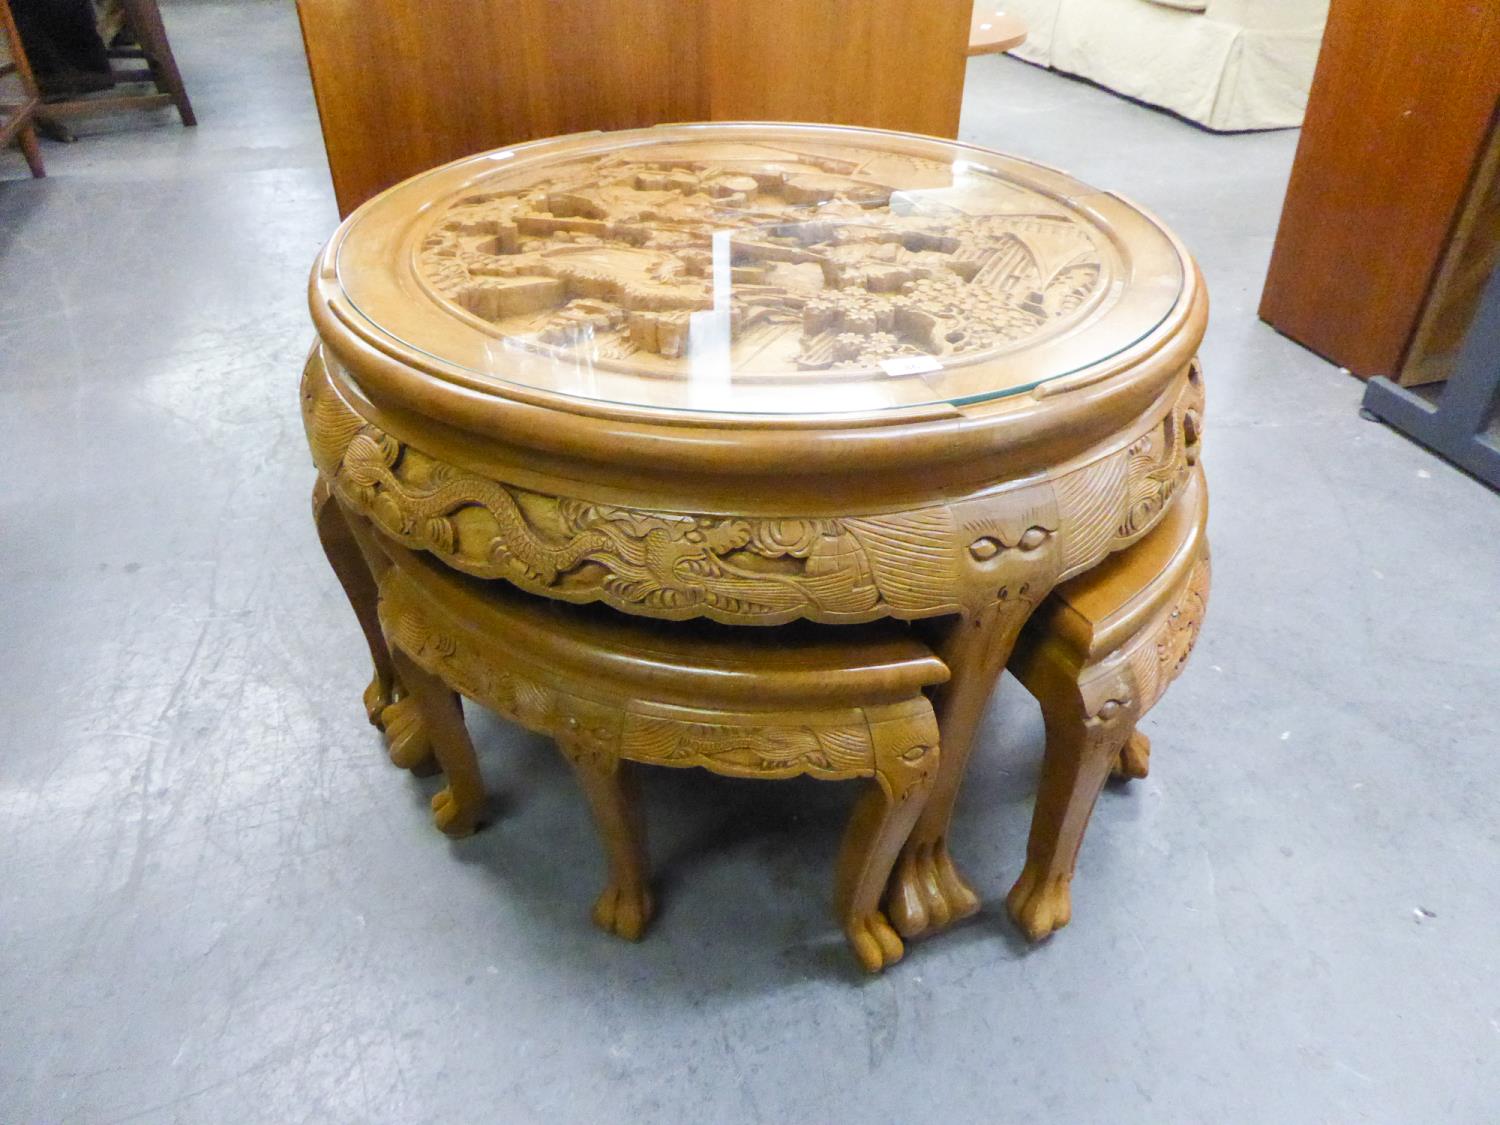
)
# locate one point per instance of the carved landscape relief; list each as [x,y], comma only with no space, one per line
[762,259]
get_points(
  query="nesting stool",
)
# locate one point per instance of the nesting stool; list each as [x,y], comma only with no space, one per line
[1097,655]
[611,690]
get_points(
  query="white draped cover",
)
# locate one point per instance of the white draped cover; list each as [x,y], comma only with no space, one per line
[1226,64]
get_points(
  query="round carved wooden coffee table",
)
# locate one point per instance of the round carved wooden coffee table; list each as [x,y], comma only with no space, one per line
[757,373]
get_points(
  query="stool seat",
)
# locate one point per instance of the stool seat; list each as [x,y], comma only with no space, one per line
[612,690]
[592,648]
[1103,608]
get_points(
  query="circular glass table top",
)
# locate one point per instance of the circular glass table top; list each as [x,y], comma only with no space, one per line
[751,269]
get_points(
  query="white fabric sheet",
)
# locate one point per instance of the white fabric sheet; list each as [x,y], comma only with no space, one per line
[1240,64]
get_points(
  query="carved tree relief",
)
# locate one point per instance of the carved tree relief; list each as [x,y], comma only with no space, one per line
[768,257]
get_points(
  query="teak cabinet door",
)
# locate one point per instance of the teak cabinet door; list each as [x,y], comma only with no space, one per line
[1400,109]
[404,87]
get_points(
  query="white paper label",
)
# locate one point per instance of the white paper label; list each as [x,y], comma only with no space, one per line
[910,365]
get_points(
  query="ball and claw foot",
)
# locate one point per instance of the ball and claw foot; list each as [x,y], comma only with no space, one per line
[1040,905]
[1134,761]
[451,817]
[624,911]
[377,699]
[874,942]
[406,734]
[926,893]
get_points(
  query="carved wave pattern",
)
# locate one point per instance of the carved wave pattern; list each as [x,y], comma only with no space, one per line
[1112,503]
[734,569]
[1088,500]
[830,751]
[772,751]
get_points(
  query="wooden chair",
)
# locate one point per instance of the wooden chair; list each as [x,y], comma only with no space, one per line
[17,117]
[404,87]
[1097,655]
[612,690]
[154,51]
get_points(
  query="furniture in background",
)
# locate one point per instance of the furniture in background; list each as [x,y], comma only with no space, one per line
[994,30]
[1457,339]
[1470,257]
[402,87]
[17,107]
[1388,186]
[1460,423]
[1226,64]
[153,51]
[772,376]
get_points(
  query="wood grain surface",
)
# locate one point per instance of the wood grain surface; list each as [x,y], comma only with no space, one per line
[1400,106]
[402,88]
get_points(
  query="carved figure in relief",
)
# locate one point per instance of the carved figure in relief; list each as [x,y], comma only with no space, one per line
[770,257]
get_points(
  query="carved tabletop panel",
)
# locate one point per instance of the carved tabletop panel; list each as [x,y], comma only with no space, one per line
[785,270]
[840,258]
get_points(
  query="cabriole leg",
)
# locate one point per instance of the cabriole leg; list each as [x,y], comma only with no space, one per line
[1134,761]
[906,765]
[927,893]
[1084,744]
[31,150]
[457,809]
[353,572]
[612,788]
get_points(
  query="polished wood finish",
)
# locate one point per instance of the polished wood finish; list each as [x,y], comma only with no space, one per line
[1400,108]
[882,64]
[402,88]
[612,691]
[618,273]
[959,515]
[1097,655]
[18,115]
[993,30]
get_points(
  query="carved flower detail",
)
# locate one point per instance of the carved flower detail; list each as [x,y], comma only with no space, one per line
[787,537]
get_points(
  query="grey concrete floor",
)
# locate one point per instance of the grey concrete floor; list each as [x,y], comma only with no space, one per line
[220,903]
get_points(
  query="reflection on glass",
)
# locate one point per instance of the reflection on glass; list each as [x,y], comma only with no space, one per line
[776,273]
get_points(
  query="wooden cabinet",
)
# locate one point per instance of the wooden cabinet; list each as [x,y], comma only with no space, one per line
[1388,184]
[404,87]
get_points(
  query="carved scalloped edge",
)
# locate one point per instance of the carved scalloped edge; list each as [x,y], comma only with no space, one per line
[897,743]
[756,570]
